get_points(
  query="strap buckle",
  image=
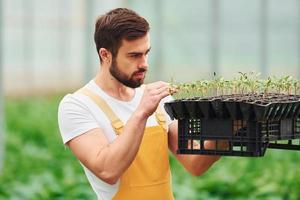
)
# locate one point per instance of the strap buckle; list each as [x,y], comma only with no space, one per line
[160,117]
[117,126]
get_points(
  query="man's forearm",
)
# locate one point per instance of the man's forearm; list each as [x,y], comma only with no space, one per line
[201,163]
[115,158]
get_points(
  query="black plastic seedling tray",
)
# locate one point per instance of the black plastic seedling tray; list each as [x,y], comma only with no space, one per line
[247,124]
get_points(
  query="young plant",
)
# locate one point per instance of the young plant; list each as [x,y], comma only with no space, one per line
[245,83]
[279,84]
[296,86]
[218,85]
[253,82]
[235,86]
[266,86]
[288,83]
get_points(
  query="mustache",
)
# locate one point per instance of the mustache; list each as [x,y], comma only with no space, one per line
[140,70]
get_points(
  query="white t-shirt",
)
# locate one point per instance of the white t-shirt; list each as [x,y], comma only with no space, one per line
[78,114]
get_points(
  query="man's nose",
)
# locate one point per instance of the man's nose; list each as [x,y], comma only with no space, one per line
[144,62]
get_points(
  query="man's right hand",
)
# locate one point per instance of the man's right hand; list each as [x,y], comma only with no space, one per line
[153,93]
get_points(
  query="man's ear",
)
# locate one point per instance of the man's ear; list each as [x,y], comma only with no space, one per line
[105,55]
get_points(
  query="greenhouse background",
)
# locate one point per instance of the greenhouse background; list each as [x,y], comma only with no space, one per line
[47,50]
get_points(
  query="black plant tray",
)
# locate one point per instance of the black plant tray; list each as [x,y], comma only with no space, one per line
[247,126]
[237,107]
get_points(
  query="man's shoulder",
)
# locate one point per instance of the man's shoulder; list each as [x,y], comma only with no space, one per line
[69,98]
[69,103]
[74,116]
[73,101]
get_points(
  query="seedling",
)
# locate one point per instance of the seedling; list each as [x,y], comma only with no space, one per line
[248,113]
[246,84]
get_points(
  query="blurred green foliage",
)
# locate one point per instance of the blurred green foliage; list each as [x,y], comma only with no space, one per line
[39,167]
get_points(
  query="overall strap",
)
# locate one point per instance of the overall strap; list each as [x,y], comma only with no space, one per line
[116,123]
[160,118]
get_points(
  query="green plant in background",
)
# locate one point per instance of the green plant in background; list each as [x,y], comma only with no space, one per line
[38,166]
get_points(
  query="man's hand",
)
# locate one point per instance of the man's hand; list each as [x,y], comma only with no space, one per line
[153,93]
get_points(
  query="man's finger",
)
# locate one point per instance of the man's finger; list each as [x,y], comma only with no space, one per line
[164,94]
[162,89]
[157,85]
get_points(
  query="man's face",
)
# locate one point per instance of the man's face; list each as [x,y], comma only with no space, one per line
[130,65]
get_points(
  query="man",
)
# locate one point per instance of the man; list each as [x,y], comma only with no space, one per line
[117,129]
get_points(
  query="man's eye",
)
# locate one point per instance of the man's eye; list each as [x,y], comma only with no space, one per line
[135,55]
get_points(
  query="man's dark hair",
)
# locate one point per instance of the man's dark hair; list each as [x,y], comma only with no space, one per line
[116,25]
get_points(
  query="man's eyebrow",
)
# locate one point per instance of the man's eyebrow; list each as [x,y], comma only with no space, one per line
[136,52]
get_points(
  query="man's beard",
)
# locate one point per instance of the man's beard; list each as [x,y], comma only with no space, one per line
[121,77]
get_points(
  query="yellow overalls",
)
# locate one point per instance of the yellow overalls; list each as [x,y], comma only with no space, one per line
[148,177]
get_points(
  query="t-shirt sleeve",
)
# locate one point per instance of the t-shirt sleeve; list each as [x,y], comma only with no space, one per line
[74,118]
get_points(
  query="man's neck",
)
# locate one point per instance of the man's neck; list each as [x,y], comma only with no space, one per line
[113,87]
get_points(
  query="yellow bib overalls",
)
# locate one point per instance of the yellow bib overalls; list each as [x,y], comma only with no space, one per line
[148,177]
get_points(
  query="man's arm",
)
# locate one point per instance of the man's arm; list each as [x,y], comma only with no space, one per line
[195,164]
[107,160]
